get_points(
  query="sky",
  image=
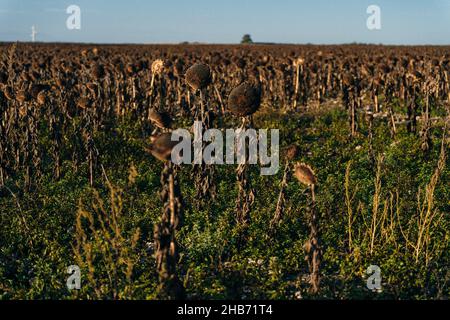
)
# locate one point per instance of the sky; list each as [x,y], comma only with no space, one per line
[212,21]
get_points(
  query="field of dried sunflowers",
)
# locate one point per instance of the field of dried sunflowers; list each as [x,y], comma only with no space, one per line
[363,180]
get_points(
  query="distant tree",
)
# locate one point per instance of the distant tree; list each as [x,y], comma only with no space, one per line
[246,39]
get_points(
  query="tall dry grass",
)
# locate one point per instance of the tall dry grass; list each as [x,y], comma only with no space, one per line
[104,251]
[387,223]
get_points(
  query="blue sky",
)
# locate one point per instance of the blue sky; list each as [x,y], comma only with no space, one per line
[174,21]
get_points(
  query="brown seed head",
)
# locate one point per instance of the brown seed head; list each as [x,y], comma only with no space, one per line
[98,72]
[161,147]
[292,152]
[305,174]
[198,76]
[37,88]
[41,98]
[160,119]
[298,62]
[9,93]
[22,96]
[92,87]
[244,100]
[83,103]
[157,66]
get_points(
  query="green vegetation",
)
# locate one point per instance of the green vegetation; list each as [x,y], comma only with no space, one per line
[392,213]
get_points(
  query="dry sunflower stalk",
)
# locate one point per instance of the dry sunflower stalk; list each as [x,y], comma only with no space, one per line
[305,175]
[243,101]
[166,246]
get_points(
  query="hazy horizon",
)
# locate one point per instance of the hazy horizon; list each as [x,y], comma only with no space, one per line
[227,44]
